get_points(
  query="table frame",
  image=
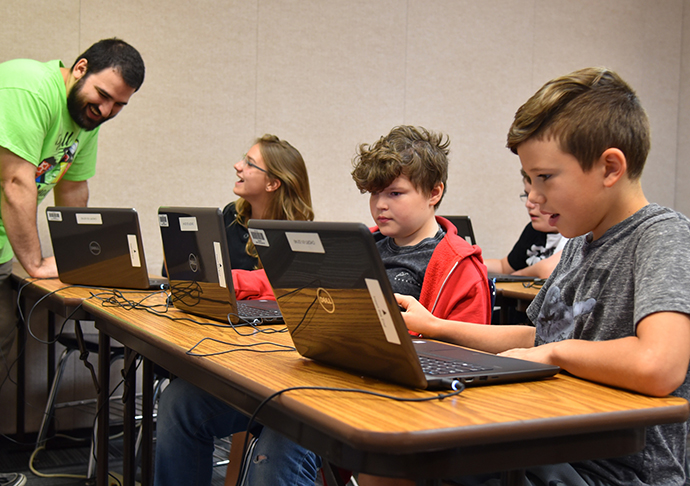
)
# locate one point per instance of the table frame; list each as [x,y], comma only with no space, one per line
[420,454]
[415,455]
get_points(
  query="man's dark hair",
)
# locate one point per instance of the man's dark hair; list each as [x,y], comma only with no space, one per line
[118,55]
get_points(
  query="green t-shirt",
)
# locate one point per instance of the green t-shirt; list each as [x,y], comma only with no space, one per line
[36,126]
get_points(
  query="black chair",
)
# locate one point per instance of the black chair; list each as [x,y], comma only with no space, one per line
[464,226]
[73,342]
[85,344]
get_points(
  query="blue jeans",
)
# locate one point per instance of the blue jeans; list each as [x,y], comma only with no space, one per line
[189,419]
[279,461]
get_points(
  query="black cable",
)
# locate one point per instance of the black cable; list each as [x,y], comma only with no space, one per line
[239,347]
[456,385]
[22,346]
[254,323]
[119,300]
[27,322]
[27,319]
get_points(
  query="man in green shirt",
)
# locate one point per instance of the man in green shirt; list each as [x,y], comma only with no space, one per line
[49,122]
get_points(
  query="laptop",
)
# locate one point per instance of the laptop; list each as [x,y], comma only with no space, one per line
[464,226]
[339,308]
[99,247]
[198,265]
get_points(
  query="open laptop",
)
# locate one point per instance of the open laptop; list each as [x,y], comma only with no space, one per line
[507,277]
[100,247]
[464,226]
[199,269]
[339,308]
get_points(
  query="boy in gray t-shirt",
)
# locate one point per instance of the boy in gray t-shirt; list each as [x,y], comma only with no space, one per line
[616,308]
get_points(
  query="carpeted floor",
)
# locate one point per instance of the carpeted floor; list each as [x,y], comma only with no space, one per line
[69,458]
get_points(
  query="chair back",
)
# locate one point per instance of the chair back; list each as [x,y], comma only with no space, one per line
[464,226]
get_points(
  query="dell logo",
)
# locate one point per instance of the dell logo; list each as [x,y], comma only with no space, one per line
[193,262]
[325,300]
[95,248]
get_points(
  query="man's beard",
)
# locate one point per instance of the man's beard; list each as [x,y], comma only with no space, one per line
[77,107]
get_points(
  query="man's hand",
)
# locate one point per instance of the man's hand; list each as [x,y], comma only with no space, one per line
[47,269]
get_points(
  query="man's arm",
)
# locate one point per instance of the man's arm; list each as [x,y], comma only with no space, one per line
[18,181]
[654,362]
[71,193]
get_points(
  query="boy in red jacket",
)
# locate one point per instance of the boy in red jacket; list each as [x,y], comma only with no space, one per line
[405,173]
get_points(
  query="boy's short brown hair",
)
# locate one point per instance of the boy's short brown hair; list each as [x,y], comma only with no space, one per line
[586,112]
[415,152]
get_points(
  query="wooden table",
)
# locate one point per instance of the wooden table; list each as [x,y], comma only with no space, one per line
[501,427]
[515,295]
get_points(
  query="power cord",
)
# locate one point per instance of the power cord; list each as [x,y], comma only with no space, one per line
[456,385]
[42,447]
[27,321]
[117,299]
[281,348]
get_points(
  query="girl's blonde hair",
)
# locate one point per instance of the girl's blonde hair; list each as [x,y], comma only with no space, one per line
[292,200]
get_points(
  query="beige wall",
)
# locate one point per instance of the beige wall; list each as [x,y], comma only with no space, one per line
[328,75]
[682,196]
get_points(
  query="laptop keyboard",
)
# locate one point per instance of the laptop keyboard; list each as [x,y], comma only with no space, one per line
[434,366]
[244,310]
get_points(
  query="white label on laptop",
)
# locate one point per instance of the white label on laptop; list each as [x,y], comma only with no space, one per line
[305,242]
[163,220]
[134,250]
[89,218]
[54,215]
[219,264]
[188,223]
[258,237]
[382,310]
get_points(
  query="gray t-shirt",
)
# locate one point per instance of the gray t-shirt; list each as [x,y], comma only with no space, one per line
[406,265]
[601,290]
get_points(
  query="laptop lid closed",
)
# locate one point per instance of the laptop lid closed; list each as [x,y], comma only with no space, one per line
[338,305]
[99,247]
